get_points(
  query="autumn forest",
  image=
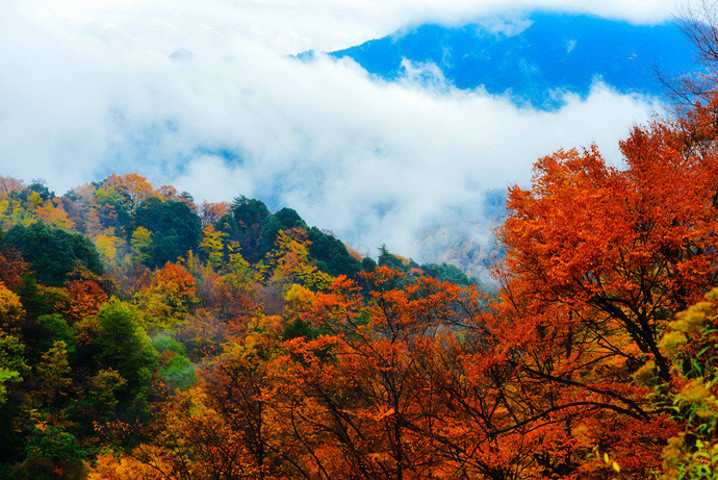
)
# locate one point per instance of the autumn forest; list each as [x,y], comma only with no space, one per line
[147,336]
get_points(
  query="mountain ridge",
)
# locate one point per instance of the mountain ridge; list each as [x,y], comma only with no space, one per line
[534,61]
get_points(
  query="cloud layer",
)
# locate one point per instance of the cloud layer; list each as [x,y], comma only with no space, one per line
[292,26]
[202,95]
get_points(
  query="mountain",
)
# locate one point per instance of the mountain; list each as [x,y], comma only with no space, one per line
[534,60]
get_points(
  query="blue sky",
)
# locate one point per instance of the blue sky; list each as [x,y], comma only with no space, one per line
[92,87]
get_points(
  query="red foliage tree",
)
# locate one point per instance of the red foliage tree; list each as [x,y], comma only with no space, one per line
[598,260]
[12,268]
[362,401]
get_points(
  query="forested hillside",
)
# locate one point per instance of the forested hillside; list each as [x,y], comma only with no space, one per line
[114,294]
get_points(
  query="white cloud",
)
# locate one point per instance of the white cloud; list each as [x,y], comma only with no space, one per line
[291,26]
[95,90]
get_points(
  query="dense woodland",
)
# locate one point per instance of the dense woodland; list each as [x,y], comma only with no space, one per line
[117,294]
[143,336]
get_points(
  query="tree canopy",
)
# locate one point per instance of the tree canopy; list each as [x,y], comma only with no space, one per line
[52,252]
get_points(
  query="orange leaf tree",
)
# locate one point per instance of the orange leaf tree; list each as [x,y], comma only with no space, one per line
[598,260]
[169,297]
[360,399]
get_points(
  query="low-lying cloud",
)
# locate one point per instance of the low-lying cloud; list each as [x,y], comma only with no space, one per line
[86,92]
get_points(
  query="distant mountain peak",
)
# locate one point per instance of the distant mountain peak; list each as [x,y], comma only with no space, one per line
[529,58]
